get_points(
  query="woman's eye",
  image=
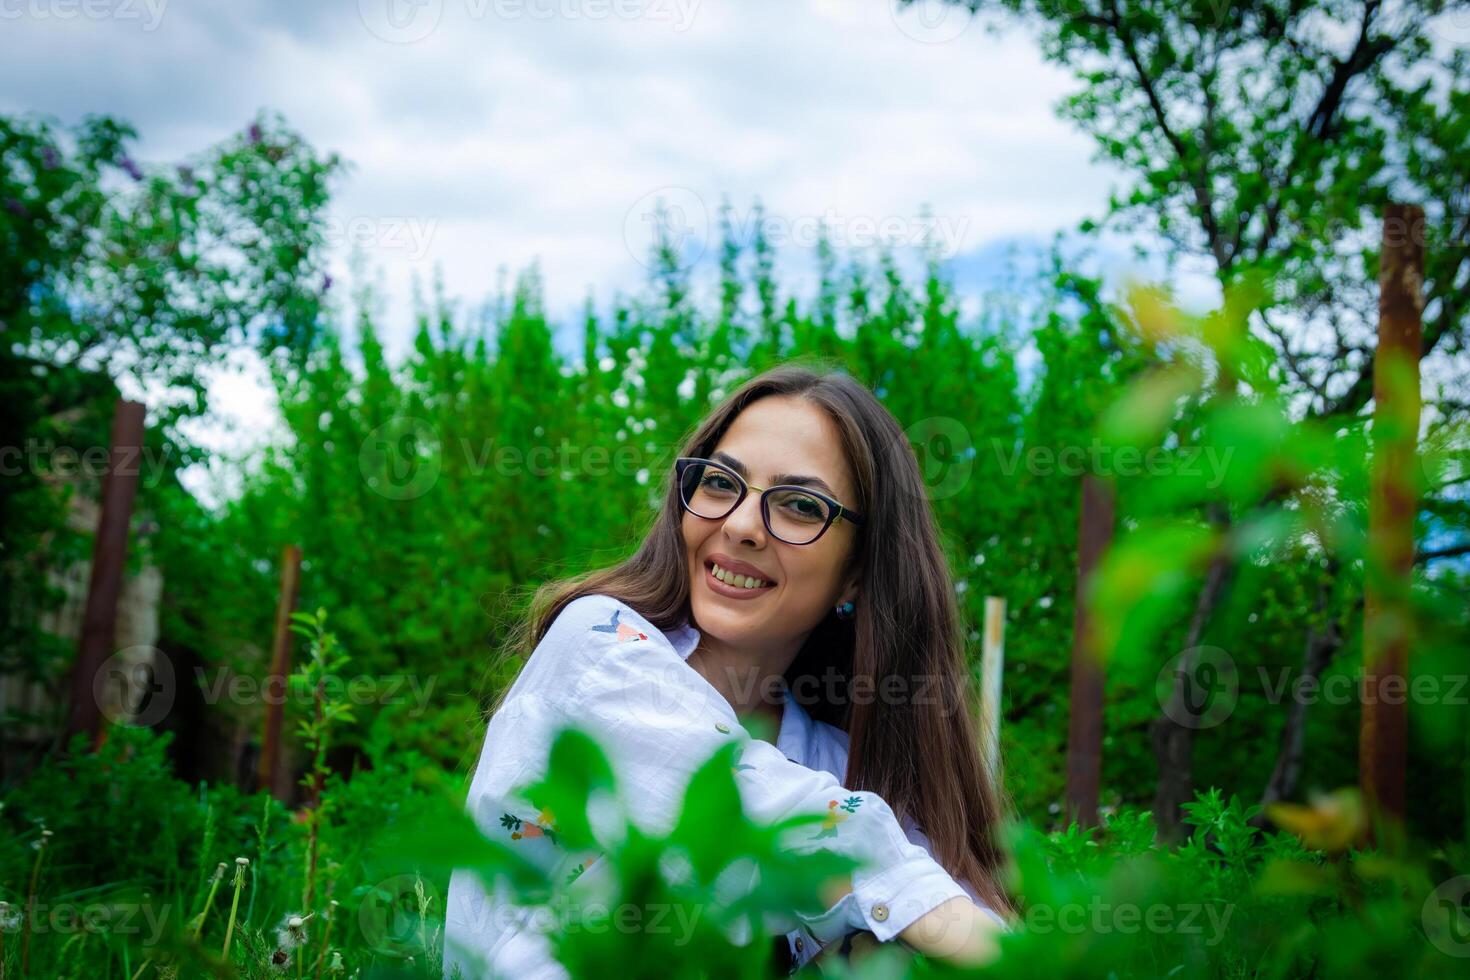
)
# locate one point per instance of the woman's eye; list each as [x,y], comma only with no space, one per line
[718,483]
[806,508]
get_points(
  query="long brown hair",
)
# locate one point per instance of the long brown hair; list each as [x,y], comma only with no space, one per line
[920,753]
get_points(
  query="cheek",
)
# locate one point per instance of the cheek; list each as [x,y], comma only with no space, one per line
[810,576]
[695,531]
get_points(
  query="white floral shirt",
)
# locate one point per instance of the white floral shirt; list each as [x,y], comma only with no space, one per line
[605,669]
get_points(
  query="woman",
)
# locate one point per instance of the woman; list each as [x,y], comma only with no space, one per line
[793,579]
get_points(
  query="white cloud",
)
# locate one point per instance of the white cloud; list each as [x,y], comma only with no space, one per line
[515,135]
[504,139]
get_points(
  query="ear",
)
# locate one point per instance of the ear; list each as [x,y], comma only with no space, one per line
[851,588]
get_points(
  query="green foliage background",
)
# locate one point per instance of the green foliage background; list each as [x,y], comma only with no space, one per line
[430,493]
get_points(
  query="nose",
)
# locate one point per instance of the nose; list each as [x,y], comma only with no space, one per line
[744,523]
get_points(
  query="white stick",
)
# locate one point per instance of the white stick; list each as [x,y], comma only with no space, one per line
[992,661]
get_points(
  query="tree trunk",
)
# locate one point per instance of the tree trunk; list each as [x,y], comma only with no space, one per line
[1173,741]
[1321,646]
[109,558]
[270,776]
[1393,500]
[1085,714]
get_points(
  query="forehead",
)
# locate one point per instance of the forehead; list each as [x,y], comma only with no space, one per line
[780,434]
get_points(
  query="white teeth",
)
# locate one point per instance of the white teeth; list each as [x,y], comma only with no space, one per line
[743,581]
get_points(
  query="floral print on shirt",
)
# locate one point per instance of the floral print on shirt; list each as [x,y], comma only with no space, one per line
[544,826]
[837,814]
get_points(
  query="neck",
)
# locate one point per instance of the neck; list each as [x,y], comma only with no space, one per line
[751,682]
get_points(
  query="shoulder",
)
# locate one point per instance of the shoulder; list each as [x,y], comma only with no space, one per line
[604,668]
[586,632]
[600,620]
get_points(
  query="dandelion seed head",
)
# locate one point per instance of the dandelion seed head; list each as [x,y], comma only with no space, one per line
[292,933]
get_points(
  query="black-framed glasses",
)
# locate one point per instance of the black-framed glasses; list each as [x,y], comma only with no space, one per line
[796,515]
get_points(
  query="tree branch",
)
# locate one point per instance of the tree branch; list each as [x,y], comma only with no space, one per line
[1293,363]
[1322,644]
[1319,124]
[1452,306]
[1451,551]
[1201,185]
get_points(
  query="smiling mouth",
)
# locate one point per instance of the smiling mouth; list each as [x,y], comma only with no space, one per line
[746,582]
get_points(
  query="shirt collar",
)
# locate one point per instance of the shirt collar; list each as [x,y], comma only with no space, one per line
[684,637]
[794,739]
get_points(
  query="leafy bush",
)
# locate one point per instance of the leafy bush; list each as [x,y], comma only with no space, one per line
[122,883]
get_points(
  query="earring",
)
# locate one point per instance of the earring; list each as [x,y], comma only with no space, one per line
[845,610]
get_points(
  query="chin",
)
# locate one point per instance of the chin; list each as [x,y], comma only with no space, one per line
[723,620]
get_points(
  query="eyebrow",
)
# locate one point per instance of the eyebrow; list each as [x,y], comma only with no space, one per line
[777,479]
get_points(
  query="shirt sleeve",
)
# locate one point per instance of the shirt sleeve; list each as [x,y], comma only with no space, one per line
[603,668]
[917,835]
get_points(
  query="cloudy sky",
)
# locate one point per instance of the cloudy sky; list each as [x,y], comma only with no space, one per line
[485,134]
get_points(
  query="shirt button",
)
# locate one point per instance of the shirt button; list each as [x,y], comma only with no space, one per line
[800,945]
[722,728]
[880,912]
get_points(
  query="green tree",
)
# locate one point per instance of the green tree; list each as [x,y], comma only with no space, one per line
[1264,138]
[112,269]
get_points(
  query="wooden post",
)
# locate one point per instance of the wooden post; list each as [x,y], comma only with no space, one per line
[276,681]
[109,556]
[1084,732]
[1383,738]
[992,663]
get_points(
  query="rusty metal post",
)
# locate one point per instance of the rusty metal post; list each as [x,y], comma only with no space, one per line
[109,556]
[992,666]
[1383,738]
[276,681]
[1084,731]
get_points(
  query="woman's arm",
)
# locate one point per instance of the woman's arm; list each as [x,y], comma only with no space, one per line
[621,681]
[957,932]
